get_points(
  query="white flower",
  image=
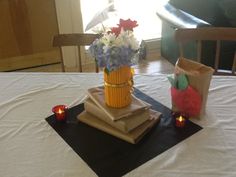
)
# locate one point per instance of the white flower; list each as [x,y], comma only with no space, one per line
[117,47]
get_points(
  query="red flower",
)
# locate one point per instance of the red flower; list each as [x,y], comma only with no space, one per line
[127,24]
[188,101]
[116,30]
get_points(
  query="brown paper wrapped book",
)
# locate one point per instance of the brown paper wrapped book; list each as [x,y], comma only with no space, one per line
[132,137]
[199,77]
[136,106]
[125,124]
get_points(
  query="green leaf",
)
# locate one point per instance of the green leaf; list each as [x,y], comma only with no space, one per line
[182,82]
[106,71]
[172,81]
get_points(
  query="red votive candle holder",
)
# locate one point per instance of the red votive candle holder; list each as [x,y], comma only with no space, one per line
[180,121]
[60,112]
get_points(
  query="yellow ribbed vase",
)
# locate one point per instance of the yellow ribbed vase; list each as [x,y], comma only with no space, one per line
[118,85]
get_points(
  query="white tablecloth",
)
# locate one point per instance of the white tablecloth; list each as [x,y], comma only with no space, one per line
[29,147]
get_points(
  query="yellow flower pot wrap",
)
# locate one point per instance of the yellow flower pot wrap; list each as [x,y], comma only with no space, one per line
[118,85]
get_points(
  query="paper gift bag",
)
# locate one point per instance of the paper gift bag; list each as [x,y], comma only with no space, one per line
[199,78]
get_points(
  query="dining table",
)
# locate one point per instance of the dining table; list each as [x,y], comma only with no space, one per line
[30,147]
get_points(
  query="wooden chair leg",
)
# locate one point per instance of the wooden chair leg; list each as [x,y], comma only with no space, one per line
[80,63]
[62,61]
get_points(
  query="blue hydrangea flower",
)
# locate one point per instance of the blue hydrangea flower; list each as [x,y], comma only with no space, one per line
[112,52]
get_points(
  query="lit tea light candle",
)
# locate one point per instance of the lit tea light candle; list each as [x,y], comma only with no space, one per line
[180,121]
[60,112]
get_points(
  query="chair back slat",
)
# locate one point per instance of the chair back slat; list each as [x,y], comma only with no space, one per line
[75,39]
[217,55]
[217,34]
[199,50]
[234,64]
[181,49]
[206,33]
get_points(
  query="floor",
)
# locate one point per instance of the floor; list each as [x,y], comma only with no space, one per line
[160,65]
[148,66]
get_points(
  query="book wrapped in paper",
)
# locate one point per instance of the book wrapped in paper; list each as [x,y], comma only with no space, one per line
[126,124]
[97,95]
[132,137]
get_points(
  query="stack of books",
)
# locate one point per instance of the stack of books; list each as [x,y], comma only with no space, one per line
[130,123]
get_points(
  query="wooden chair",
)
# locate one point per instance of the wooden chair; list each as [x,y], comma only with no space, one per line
[76,39]
[208,34]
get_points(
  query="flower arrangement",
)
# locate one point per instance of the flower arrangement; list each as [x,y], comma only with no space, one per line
[117,47]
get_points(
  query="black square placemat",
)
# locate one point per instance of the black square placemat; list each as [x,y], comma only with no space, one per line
[108,156]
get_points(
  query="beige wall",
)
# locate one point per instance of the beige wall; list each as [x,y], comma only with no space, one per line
[27,28]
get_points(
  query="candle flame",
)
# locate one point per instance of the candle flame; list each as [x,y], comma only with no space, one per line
[181,119]
[60,111]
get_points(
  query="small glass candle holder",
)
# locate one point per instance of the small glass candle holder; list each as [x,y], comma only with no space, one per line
[180,121]
[60,112]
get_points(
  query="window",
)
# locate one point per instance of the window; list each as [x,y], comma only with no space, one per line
[143,11]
